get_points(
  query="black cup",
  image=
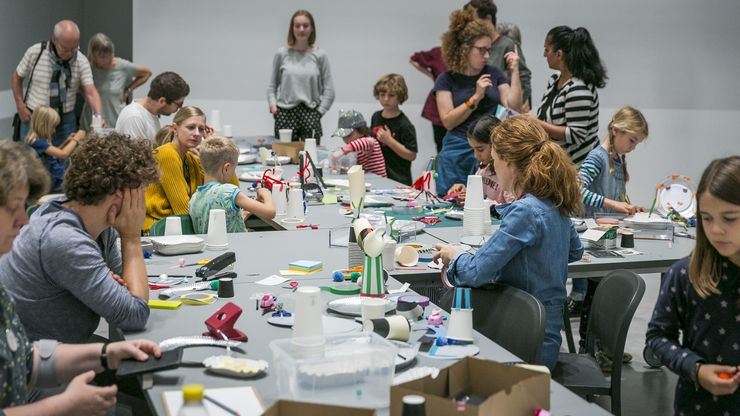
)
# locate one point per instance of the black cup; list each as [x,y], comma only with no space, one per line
[628,240]
[413,405]
[225,288]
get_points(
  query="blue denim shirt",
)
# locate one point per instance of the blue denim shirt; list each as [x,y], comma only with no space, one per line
[531,251]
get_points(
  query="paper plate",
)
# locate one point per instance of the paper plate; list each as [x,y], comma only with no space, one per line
[371,201]
[676,192]
[170,245]
[644,220]
[452,352]
[235,367]
[406,354]
[403,225]
[332,325]
[455,214]
[245,159]
[351,306]
[283,160]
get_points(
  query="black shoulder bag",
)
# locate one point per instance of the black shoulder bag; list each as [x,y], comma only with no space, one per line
[17,117]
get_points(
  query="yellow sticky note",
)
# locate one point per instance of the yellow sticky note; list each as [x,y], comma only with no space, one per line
[164,304]
[329,199]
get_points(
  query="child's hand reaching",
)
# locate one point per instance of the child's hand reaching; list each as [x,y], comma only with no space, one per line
[460,190]
[718,379]
[623,207]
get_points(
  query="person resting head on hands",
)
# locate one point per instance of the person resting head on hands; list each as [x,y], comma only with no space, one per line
[67,259]
[23,178]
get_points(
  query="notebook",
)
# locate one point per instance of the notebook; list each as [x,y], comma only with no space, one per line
[243,400]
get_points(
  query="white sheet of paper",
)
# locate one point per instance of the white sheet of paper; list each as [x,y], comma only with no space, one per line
[403,289]
[591,223]
[594,234]
[243,400]
[272,280]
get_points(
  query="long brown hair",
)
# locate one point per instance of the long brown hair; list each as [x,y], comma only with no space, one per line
[464,30]
[626,119]
[545,170]
[291,35]
[167,133]
[721,179]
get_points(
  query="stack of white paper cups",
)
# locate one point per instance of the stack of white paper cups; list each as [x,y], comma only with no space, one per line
[474,214]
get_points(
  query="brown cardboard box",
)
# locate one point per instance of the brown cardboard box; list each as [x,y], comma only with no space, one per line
[288,149]
[505,389]
[290,408]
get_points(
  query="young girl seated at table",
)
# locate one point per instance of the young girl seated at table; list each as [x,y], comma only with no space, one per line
[44,122]
[536,240]
[358,138]
[219,157]
[603,184]
[479,138]
[700,298]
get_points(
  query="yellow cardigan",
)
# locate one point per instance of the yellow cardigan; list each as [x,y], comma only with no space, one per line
[171,196]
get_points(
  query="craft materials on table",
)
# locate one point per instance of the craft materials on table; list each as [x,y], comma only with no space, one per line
[272,280]
[195,341]
[235,367]
[306,266]
[242,400]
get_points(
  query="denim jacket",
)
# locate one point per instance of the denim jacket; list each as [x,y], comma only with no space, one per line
[531,251]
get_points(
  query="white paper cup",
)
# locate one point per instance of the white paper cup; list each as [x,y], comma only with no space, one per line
[474,192]
[407,256]
[389,255]
[228,131]
[295,204]
[215,120]
[356,177]
[286,135]
[173,226]
[394,327]
[216,238]
[461,325]
[279,199]
[372,308]
[309,146]
[307,318]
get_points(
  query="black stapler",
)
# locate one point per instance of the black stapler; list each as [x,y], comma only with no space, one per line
[216,265]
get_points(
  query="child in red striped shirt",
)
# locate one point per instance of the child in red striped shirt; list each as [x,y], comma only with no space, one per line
[359,138]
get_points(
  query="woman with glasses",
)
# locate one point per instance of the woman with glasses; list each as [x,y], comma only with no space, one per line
[115,78]
[468,91]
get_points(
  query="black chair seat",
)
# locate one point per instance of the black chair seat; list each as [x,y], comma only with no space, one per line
[581,374]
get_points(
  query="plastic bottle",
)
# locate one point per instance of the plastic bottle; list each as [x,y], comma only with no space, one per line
[192,395]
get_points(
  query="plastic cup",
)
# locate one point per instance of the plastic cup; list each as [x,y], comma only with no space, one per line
[295,204]
[216,238]
[474,189]
[307,318]
[173,226]
[372,308]
[286,135]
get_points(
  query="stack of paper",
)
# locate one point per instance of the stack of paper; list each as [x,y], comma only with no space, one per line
[307,266]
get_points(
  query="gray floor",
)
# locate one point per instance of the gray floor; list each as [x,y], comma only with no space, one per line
[645,391]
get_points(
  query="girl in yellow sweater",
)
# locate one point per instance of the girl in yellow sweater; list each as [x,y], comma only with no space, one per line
[180,170]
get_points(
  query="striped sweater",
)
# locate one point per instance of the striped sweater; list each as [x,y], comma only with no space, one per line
[369,155]
[598,183]
[576,106]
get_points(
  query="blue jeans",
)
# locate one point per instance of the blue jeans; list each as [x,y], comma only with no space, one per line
[67,126]
[454,163]
[579,286]
[553,325]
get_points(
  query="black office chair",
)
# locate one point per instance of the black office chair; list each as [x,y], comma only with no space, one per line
[613,307]
[508,316]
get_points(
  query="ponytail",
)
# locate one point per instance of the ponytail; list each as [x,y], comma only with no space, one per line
[581,56]
[167,133]
[545,170]
[626,119]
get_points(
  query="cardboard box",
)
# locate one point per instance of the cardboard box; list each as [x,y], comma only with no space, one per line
[502,390]
[288,149]
[289,408]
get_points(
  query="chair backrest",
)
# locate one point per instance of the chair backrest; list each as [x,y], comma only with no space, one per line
[508,316]
[185,221]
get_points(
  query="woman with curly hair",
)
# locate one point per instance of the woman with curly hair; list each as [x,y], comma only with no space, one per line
[468,91]
[66,258]
[537,240]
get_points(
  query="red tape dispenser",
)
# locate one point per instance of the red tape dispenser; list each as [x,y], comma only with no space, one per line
[221,323]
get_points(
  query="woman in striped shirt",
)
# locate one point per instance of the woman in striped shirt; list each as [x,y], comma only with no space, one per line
[569,111]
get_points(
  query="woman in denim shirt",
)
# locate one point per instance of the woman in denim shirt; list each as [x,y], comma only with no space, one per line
[536,240]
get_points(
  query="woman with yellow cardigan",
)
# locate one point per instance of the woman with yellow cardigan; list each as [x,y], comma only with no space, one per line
[180,171]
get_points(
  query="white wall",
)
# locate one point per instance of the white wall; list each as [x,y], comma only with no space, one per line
[675,59]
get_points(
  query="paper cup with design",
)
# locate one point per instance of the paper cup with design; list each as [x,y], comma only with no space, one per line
[216,238]
[394,327]
[173,226]
[407,256]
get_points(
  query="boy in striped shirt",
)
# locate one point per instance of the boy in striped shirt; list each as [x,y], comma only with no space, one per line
[359,138]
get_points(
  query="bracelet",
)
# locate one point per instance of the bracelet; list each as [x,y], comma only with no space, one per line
[104,357]
[471,103]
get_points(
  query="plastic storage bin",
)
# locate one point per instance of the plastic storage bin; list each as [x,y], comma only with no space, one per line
[349,369]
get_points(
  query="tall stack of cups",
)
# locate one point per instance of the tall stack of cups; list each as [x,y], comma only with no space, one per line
[474,215]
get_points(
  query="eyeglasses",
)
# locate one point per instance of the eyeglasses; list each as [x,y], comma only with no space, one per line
[483,50]
[178,104]
[63,49]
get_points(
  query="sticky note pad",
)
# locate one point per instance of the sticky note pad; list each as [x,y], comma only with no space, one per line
[164,304]
[306,265]
[329,199]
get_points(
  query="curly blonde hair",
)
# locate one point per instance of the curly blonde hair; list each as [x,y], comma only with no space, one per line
[392,84]
[545,170]
[102,166]
[464,30]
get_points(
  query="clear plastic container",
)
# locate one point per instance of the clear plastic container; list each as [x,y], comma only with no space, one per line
[356,369]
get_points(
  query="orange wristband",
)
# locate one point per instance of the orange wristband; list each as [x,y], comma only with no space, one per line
[471,103]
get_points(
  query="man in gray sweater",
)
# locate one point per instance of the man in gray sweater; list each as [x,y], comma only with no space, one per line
[65,270]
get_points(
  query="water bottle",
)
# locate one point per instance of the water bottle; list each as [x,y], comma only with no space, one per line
[192,395]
